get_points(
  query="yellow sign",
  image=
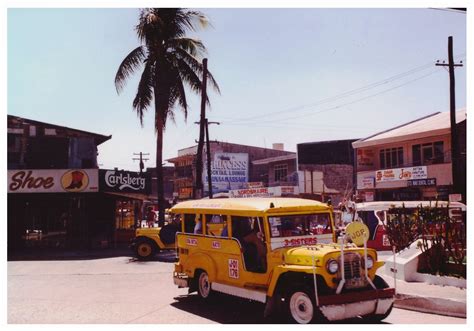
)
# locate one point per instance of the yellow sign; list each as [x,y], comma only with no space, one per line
[75,181]
[358,232]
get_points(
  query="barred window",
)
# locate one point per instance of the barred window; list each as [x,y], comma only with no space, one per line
[391,157]
[281,172]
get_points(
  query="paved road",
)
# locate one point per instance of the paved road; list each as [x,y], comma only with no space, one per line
[123,290]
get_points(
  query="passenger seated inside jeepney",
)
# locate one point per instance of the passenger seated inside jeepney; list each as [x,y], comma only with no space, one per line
[250,236]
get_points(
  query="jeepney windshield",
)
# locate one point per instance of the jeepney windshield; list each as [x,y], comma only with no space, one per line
[299,225]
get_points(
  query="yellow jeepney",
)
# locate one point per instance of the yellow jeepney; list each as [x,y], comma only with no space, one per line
[281,252]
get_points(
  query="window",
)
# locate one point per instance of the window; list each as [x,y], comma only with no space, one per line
[429,153]
[190,222]
[281,172]
[215,224]
[391,157]
[299,225]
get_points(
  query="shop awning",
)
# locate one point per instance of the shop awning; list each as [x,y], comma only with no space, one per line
[133,196]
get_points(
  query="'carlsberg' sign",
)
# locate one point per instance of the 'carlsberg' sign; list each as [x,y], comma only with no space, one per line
[124,181]
[229,171]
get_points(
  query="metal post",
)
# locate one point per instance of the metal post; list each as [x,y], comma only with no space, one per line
[394,269]
[315,282]
[343,277]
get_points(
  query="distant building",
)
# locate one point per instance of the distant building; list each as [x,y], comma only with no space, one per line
[326,170]
[232,167]
[411,161]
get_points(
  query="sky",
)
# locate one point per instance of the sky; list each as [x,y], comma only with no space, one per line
[286,75]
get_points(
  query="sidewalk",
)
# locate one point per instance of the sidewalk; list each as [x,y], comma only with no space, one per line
[426,298]
[69,254]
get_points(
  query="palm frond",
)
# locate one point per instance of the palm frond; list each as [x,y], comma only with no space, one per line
[193,46]
[128,66]
[197,67]
[144,92]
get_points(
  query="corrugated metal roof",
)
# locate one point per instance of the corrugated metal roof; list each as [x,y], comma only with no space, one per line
[434,124]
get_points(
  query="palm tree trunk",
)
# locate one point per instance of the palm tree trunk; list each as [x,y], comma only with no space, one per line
[159,172]
[161,104]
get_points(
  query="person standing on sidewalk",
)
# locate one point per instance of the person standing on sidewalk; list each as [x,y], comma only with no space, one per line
[150,217]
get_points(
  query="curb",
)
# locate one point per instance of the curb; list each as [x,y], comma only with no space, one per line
[429,305]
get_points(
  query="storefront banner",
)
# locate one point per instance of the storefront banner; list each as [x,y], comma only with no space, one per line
[365,157]
[53,181]
[254,185]
[124,181]
[229,171]
[422,182]
[390,175]
[261,192]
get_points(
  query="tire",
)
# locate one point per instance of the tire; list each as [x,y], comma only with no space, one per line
[204,286]
[145,249]
[379,283]
[300,306]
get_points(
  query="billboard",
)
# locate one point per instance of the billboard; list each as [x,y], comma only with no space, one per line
[53,181]
[124,181]
[389,175]
[229,171]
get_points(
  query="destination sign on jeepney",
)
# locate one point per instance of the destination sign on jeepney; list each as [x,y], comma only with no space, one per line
[358,232]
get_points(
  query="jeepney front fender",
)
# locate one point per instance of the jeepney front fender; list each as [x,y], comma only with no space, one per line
[279,271]
[200,261]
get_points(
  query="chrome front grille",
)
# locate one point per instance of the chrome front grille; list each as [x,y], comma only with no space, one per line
[352,266]
[353,271]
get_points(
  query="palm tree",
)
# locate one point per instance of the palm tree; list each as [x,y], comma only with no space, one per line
[170,60]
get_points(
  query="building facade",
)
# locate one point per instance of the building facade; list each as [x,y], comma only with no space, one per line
[231,167]
[412,161]
[326,170]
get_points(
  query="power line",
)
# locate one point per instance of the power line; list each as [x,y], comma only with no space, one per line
[344,94]
[347,103]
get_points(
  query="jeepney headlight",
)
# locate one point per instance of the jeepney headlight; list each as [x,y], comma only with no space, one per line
[332,266]
[370,262]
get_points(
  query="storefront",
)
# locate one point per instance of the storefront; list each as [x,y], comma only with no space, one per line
[52,208]
[128,192]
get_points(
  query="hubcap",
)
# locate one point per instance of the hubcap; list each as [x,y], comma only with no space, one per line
[144,250]
[301,307]
[204,286]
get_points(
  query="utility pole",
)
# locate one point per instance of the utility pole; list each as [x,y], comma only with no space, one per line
[141,159]
[452,109]
[198,187]
[208,148]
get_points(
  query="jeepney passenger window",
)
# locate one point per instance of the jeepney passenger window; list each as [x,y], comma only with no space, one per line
[189,223]
[241,226]
[214,224]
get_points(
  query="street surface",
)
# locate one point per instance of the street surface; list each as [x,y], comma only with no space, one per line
[123,290]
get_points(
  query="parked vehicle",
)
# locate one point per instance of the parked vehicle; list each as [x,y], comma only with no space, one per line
[375,214]
[149,241]
[281,252]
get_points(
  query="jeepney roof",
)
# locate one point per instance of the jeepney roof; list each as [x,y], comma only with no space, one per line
[385,205]
[250,205]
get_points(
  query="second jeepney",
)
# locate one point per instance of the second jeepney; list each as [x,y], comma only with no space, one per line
[281,252]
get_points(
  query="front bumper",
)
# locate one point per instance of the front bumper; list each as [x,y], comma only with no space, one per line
[349,305]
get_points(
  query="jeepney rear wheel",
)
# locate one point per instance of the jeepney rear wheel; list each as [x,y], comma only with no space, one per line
[145,249]
[300,305]
[204,286]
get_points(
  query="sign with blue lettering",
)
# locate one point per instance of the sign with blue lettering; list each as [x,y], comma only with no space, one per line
[422,182]
[229,171]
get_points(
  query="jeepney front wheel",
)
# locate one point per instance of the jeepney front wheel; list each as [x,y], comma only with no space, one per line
[300,306]
[379,283]
[145,249]
[204,285]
